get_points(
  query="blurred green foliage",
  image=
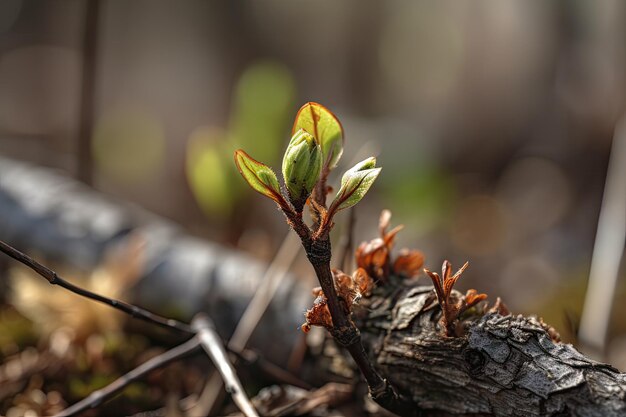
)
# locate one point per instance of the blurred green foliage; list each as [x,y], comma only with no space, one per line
[81,388]
[422,194]
[208,173]
[16,331]
[262,108]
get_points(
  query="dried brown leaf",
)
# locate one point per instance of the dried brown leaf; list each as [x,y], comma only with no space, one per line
[472,297]
[409,263]
[500,308]
[364,282]
[318,315]
[384,221]
[373,256]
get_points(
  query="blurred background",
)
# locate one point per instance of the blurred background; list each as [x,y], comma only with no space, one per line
[492,120]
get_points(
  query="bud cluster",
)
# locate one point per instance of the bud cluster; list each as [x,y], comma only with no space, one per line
[314,150]
[302,165]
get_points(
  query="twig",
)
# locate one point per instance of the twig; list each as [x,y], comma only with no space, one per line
[249,358]
[267,288]
[347,244]
[206,336]
[344,331]
[300,169]
[130,309]
[97,397]
[297,354]
[252,358]
[268,285]
[607,250]
[329,396]
[215,349]
[88,90]
[55,279]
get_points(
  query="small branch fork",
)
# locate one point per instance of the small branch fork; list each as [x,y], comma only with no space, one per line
[213,346]
[130,309]
[201,328]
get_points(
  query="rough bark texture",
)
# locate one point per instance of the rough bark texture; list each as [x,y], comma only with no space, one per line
[501,366]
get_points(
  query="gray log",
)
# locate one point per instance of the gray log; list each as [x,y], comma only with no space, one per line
[502,366]
[50,215]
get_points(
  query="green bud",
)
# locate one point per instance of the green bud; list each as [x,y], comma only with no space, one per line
[355,183]
[302,165]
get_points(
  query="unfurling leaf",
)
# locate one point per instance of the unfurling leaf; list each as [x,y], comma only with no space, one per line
[260,177]
[347,289]
[355,183]
[472,297]
[318,315]
[363,281]
[373,257]
[409,263]
[302,164]
[324,126]
[450,306]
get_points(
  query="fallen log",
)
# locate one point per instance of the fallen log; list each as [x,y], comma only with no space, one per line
[51,215]
[502,365]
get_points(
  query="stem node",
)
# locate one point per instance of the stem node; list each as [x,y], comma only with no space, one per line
[346,335]
[319,253]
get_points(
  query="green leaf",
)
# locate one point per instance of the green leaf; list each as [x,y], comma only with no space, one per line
[260,177]
[325,127]
[355,183]
[302,164]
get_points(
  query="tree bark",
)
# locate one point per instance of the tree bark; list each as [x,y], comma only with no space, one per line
[501,366]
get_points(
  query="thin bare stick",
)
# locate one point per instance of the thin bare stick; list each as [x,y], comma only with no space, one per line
[249,358]
[607,250]
[97,397]
[130,309]
[88,90]
[347,243]
[207,337]
[213,346]
[254,359]
[268,285]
